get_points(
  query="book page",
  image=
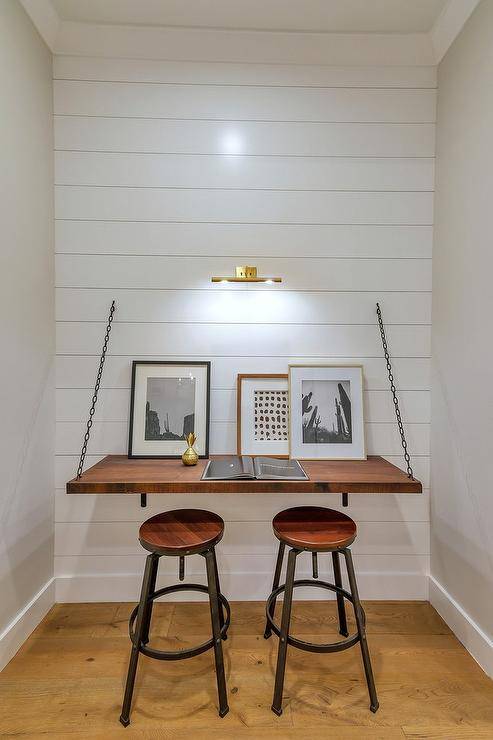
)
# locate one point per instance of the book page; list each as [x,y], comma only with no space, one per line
[271,468]
[229,468]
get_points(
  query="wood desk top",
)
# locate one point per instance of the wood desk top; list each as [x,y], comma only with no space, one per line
[118,474]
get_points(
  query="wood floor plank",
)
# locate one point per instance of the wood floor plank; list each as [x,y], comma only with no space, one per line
[476,731]
[187,705]
[67,680]
[321,733]
[92,620]
[383,617]
[99,620]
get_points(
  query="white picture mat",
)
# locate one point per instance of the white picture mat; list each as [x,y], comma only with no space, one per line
[249,445]
[331,451]
[141,446]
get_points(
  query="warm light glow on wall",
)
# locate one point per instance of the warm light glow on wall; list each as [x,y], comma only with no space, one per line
[232,143]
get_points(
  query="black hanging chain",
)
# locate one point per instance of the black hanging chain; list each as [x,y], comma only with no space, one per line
[96,391]
[407,457]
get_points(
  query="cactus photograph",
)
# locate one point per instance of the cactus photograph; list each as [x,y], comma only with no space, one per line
[326,419]
[326,412]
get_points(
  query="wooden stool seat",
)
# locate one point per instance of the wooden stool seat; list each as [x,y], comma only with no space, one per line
[314,528]
[181,532]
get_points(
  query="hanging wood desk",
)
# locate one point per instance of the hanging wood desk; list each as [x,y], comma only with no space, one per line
[118,474]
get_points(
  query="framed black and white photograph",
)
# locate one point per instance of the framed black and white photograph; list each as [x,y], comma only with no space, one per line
[326,412]
[263,415]
[168,401]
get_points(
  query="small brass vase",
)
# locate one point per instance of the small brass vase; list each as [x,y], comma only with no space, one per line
[190,456]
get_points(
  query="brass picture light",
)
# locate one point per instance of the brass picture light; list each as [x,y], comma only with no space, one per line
[246,274]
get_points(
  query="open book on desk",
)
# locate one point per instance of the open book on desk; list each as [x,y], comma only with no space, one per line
[236,467]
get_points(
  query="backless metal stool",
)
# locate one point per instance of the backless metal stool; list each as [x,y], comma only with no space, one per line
[315,529]
[178,534]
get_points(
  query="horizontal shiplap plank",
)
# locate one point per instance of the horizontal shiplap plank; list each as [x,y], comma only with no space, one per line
[120,538]
[80,371]
[292,75]
[111,438]
[235,240]
[236,171]
[381,439]
[284,307]
[220,339]
[125,508]
[157,272]
[392,565]
[73,404]
[272,138]
[246,584]
[215,102]
[66,467]
[243,206]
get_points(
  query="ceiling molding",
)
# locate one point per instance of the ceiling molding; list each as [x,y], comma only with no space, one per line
[267,47]
[45,19]
[449,24]
[298,16]
[204,44]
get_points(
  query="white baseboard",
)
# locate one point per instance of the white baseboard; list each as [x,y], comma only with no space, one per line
[476,642]
[236,586]
[19,629]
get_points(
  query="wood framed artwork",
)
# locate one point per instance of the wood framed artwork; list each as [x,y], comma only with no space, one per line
[326,412]
[262,419]
[168,401]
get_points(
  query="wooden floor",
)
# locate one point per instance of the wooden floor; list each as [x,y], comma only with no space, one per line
[67,680]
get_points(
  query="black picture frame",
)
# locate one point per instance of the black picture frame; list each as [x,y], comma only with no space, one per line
[135,363]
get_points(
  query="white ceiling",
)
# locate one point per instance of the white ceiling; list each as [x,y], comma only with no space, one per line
[336,16]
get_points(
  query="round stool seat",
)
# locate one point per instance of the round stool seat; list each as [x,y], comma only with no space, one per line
[314,528]
[181,532]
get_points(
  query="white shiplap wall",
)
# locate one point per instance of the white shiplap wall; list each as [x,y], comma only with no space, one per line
[167,173]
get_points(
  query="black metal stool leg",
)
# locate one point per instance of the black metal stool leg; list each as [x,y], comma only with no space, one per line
[275,584]
[134,654]
[216,632]
[284,632]
[146,623]
[340,598]
[314,565]
[360,622]
[220,606]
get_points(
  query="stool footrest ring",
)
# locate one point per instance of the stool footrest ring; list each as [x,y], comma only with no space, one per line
[312,647]
[188,652]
